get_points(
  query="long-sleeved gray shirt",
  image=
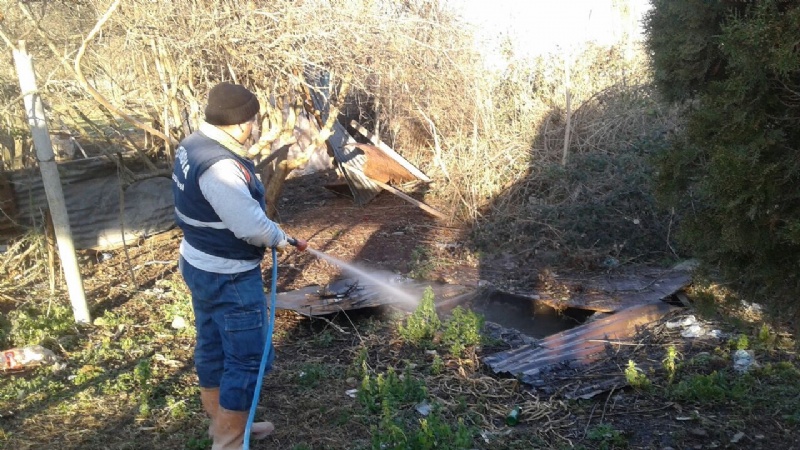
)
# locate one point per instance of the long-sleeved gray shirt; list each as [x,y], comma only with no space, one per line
[224,186]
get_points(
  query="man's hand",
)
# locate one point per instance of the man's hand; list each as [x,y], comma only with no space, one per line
[282,246]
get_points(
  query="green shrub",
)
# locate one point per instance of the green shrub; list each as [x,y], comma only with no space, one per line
[462,330]
[390,391]
[731,173]
[423,324]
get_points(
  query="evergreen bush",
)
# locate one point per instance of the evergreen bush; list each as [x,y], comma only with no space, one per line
[732,173]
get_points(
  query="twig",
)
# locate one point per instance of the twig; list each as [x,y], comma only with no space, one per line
[589,422]
[337,327]
[606,404]
[94,93]
[352,324]
[5,37]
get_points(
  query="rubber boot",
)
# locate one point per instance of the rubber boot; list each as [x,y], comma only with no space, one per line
[210,399]
[229,426]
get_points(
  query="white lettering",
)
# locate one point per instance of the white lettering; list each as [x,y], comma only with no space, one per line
[183,159]
[178,183]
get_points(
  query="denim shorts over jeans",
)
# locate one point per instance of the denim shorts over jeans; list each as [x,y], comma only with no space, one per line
[231,318]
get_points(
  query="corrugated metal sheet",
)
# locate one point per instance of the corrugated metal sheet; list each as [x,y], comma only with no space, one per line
[576,347]
[349,159]
[92,195]
[614,291]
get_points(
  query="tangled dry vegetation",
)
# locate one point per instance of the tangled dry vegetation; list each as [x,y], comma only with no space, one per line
[488,137]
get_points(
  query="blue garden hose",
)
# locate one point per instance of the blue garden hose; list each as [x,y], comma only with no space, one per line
[272,288]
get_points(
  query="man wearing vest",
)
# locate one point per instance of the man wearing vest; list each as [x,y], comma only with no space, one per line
[220,206]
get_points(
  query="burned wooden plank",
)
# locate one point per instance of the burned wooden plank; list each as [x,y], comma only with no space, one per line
[352,293]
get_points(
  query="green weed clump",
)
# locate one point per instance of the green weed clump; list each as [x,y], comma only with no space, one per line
[635,377]
[424,323]
[670,362]
[462,330]
[397,432]
[390,391]
[433,433]
[37,325]
[714,387]
[459,332]
[606,437]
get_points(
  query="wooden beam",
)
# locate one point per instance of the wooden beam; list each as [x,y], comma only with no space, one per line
[406,197]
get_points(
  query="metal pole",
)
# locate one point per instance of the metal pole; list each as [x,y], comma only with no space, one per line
[34,110]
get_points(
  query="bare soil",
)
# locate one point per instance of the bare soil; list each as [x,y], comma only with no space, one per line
[305,395]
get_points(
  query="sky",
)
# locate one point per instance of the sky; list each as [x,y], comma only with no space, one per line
[539,26]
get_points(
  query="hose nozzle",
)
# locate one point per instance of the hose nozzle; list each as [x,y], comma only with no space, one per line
[300,244]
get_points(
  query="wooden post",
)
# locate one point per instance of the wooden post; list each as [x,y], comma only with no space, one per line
[34,110]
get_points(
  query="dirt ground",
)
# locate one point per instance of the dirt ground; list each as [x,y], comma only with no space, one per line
[389,234]
[305,394]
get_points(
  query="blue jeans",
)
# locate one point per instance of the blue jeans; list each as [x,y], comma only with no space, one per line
[231,318]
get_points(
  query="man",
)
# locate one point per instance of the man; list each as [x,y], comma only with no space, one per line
[220,206]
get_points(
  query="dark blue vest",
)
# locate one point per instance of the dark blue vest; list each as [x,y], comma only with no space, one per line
[195,155]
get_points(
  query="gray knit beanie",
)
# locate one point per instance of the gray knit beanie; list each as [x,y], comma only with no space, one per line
[230,104]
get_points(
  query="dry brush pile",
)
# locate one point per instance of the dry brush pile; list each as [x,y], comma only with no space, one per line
[408,70]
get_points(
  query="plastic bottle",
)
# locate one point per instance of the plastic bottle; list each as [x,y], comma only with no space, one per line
[28,356]
[513,416]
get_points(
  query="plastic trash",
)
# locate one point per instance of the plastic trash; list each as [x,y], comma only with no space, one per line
[424,408]
[743,361]
[24,357]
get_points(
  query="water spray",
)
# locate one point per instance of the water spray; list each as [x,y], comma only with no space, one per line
[382,282]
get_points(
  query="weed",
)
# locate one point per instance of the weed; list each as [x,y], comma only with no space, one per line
[311,374]
[607,437]
[713,387]
[423,324]
[462,330]
[635,377]
[39,324]
[742,342]
[358,368]
[178,409]
[421,263]
[766,338]
[670,362]
[323,339]
[142,374]
[390,391]
[432,432]
[86,374]
[437,366]
[198,443]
